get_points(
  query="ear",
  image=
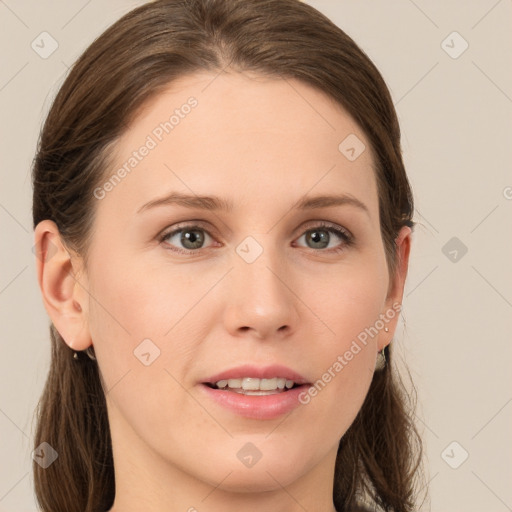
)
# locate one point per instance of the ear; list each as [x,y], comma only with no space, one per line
[396,286]
[64,297]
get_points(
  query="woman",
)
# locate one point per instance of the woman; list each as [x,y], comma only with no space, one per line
[224,225]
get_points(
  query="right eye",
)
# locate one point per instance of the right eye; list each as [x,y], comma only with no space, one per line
[192,237]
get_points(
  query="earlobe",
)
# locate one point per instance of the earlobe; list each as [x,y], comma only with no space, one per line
[62,294]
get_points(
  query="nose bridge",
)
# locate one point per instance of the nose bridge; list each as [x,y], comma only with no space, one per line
[261,259]
[259,251]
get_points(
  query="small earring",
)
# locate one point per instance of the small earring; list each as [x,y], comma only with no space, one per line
[386,329]
[90,352]
[381,360]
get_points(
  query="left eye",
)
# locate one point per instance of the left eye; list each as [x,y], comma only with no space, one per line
[193,238]
[317,235]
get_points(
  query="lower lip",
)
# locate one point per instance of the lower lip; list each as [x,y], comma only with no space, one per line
[259,407]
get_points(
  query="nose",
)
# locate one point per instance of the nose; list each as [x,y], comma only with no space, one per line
[261,302]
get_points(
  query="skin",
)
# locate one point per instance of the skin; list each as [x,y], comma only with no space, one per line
[263,144]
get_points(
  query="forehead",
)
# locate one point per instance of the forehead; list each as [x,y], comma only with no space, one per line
[244,137]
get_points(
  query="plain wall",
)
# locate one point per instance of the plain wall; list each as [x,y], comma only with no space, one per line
[456,120]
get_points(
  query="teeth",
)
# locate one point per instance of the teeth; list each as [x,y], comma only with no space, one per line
[254,384]
[268,384]
[250,384]
[235,383]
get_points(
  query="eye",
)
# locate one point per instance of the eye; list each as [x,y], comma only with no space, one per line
[192,238]
[320,238]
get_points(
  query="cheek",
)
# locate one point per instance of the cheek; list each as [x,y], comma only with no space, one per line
[348,299]
[141,314]
[348,303]
[126,318]
[144,344]
[137,302]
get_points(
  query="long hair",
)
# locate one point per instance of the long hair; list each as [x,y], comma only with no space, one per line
[131,62]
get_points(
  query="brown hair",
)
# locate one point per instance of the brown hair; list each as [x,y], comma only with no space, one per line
[131,62]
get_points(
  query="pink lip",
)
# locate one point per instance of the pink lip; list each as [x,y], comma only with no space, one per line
[267,372]
[257,406]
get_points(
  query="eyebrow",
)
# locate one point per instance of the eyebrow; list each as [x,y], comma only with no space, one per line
[215,203]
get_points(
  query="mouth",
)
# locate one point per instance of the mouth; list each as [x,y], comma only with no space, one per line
[253,386]
[261,393]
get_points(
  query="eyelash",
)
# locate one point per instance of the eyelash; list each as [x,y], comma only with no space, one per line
[342,233]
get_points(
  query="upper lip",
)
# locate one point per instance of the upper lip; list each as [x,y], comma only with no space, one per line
[258,372]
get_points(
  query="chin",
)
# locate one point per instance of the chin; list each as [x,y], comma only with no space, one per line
[273,469]
[264,479]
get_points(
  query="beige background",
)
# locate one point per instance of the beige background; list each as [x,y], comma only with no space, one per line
[456,119]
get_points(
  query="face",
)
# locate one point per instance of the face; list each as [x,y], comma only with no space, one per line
[261,282]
